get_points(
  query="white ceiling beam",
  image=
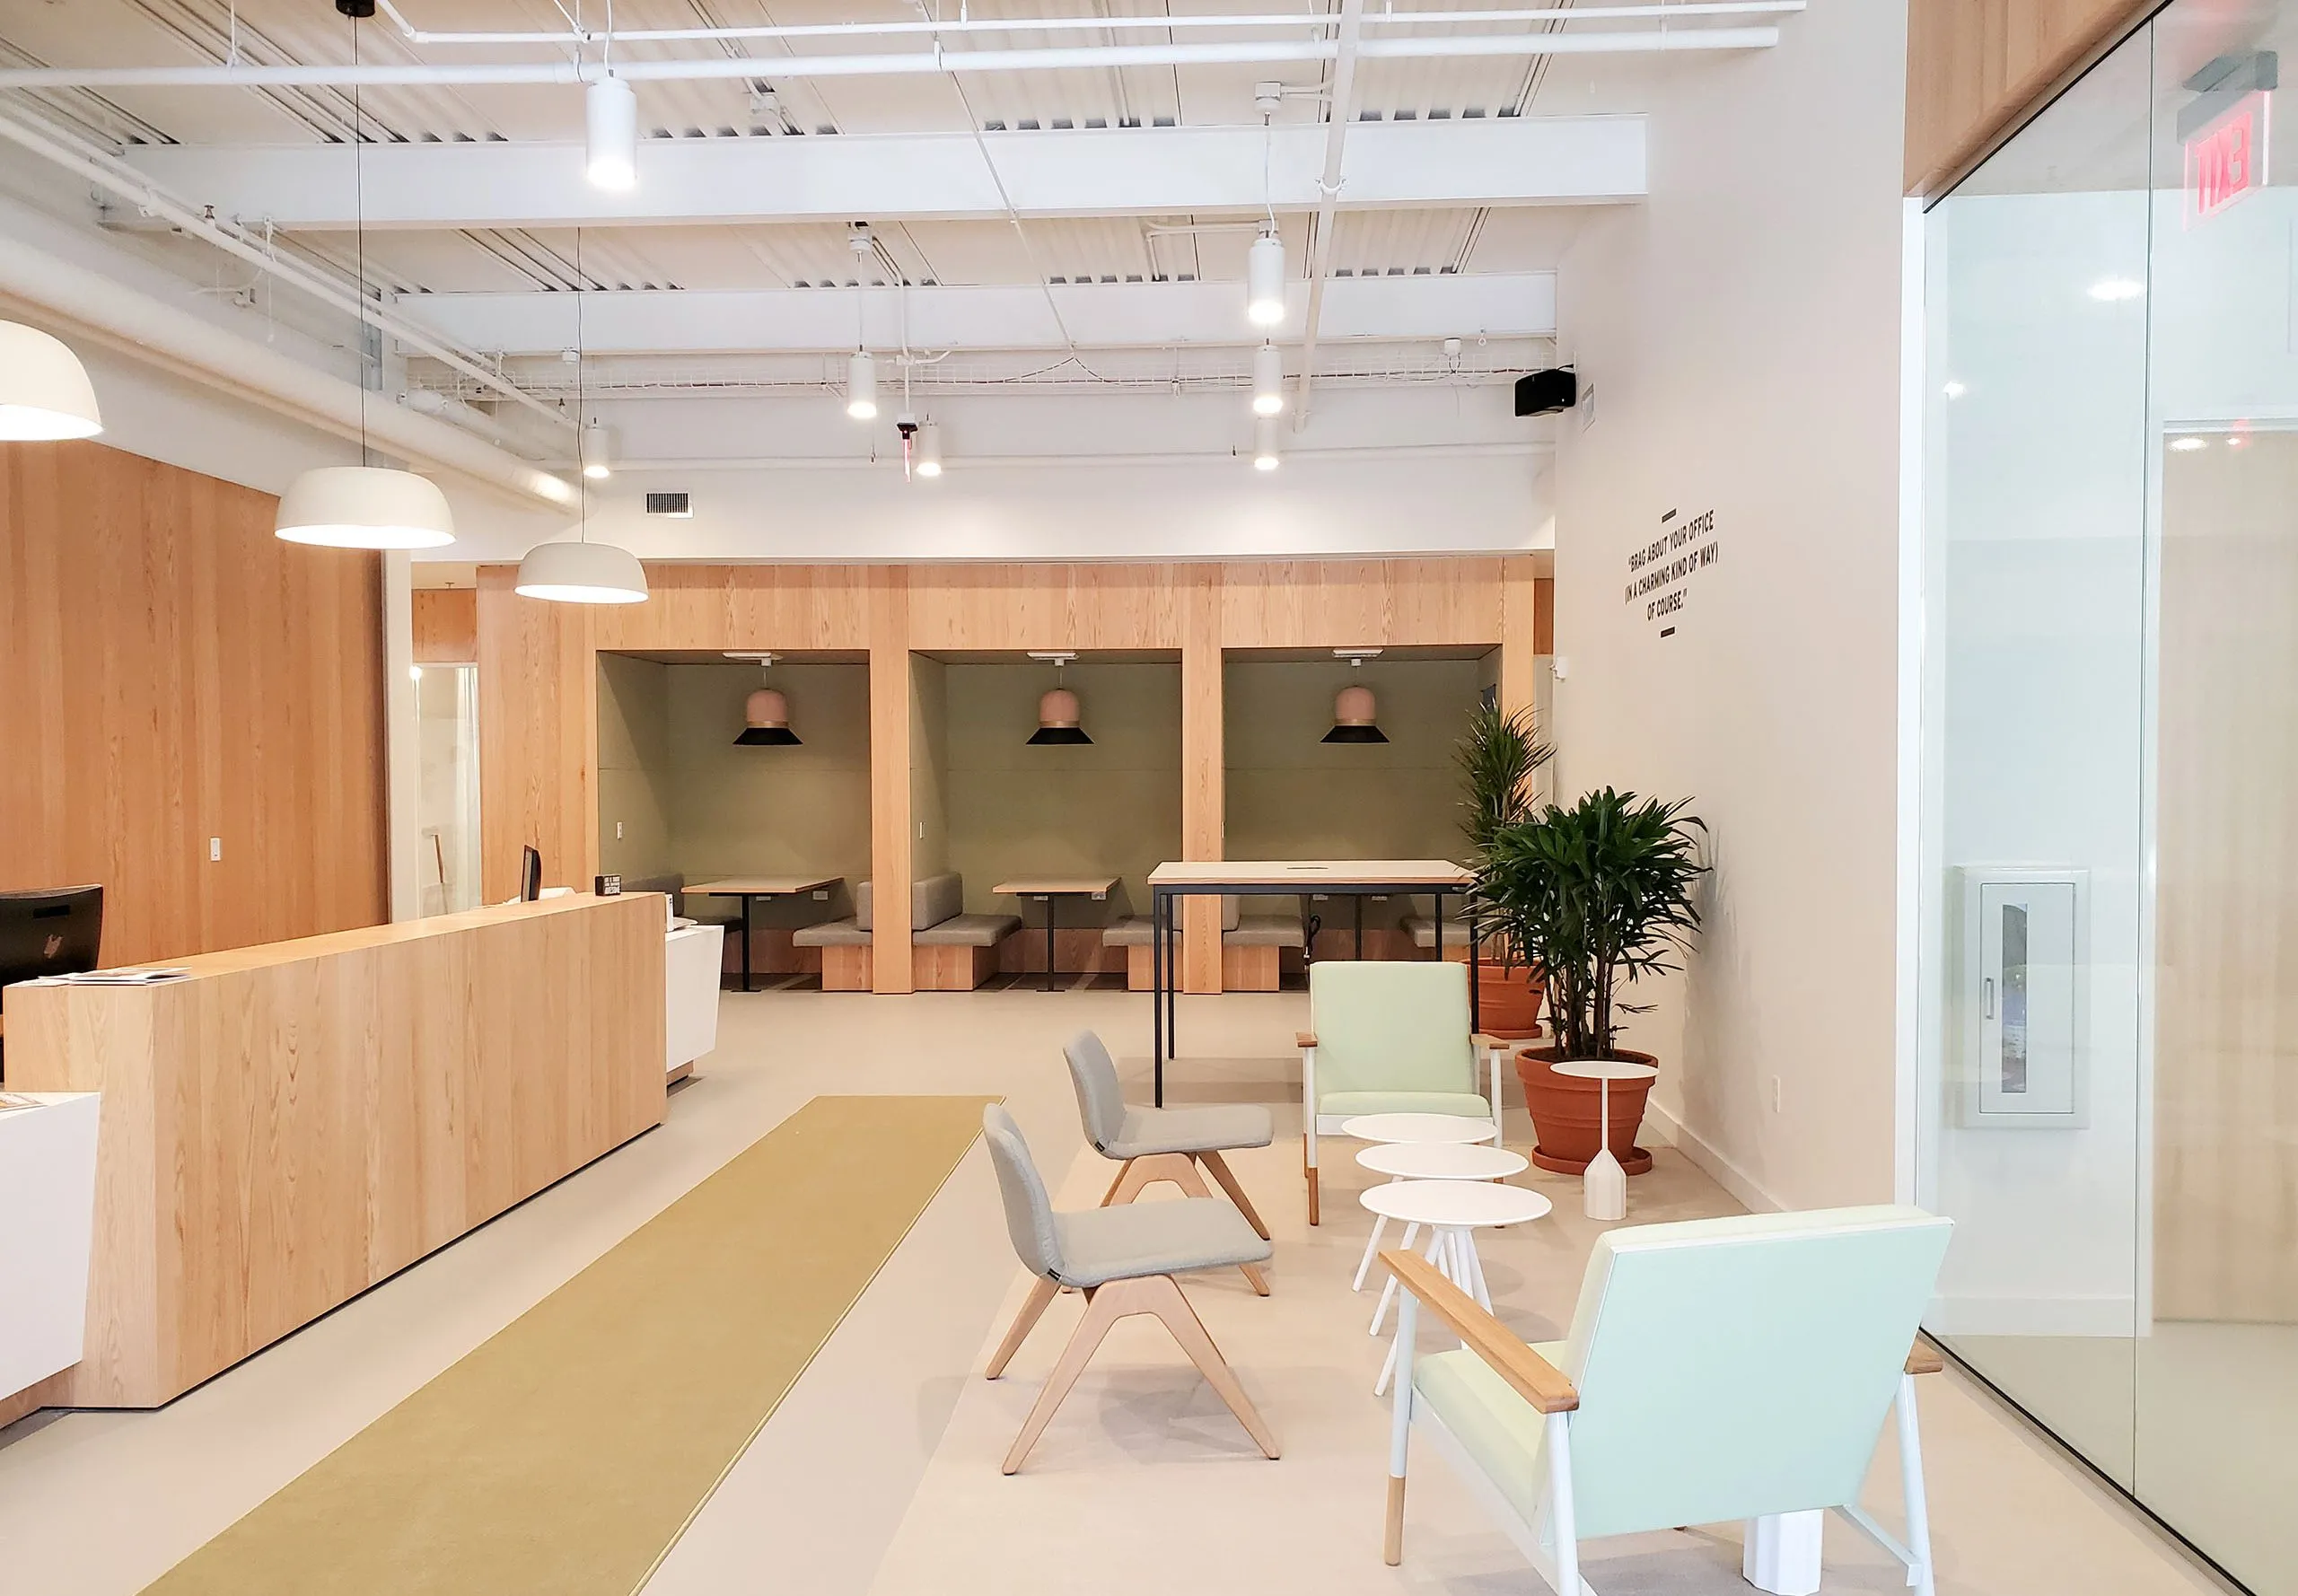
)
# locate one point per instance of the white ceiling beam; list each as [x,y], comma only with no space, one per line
[1098,315]
[1058,172]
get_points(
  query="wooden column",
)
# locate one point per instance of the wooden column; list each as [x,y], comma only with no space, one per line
[1526,623]
[1203,797]
[890,755]
[538,737]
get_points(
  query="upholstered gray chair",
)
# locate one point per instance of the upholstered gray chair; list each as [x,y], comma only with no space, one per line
[1154,1144]
[1124,1261]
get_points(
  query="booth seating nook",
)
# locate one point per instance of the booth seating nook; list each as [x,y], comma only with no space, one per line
[951,950]
[1252,948]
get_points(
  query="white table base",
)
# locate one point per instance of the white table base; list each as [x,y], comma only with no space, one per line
[1452,1248]
[1781,1555]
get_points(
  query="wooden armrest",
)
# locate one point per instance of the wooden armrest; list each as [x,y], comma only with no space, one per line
[1532,1376]
[1488,1044]
[1925,1359]
[1304,1039]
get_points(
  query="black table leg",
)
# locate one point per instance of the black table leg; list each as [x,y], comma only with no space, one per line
[1439,954]
[1157,994]
[746,940]
[1049,902]
[1476,970]
[1358,900]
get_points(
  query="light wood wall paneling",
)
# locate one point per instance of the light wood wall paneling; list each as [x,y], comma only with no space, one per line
[1079,606]
[538,736]
[1388,603]
[446,626]
[174,672]
[1976,68]
[745,607]
[300,1120]
[1527,623]
[2226,1082]
[890,835]
[1203,789]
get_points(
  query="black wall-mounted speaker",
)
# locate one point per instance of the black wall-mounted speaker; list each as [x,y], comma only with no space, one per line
[1543,393]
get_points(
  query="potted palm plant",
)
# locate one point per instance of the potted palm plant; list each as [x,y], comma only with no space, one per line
[1498,759]
[1598,896]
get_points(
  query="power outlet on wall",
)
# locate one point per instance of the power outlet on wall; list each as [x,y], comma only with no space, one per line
[214,850]
[618,831]
[921,830]
[1778,1100]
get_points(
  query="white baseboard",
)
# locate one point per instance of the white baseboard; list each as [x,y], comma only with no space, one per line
[2109,1316]
[1705,1157]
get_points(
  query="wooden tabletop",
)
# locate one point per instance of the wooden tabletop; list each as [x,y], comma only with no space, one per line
[1057,886]
[1310,874]
[765,886]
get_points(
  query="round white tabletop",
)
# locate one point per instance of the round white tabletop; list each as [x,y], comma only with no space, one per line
[1418,1127]
[1441,1160]
[1605,1069]
[1455,1204]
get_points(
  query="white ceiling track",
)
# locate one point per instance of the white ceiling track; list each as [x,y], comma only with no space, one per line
[936,61]
[1097,24]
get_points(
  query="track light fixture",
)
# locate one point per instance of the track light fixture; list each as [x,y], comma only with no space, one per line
[1268,380]
[861,386]
[597,465]
[610,131]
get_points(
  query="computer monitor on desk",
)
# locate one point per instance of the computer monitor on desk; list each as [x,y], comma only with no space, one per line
[55,931]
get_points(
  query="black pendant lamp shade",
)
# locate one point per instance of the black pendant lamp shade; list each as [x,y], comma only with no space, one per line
[1353,710]
[1057,711]
[766,714]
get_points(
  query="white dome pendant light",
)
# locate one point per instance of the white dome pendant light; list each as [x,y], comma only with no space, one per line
[581,572]
[45,395]
[1268,380]
[363,506]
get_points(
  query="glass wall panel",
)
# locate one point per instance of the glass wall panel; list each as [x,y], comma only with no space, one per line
[2108,997]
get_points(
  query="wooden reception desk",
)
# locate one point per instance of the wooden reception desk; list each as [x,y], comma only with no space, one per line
[293,1123]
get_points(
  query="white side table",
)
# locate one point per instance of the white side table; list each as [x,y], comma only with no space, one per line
[1604,1187]
[1452,1210]
[1418,1127]
[1429,1160]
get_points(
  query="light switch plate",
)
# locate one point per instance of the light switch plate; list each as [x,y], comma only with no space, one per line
[214,850]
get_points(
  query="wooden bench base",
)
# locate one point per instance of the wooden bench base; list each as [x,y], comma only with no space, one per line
[951,969]
[847,969]
[1250,970]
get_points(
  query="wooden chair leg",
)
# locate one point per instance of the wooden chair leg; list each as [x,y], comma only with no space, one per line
[1041,1293]
[1160,1295]
[1259,1281]
[1141,1173]
[1312,1194]
[1219,1169]
[1393,1535]
[1117,1183]
[1104,1306]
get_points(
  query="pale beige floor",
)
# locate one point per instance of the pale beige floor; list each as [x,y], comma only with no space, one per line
[878,1471]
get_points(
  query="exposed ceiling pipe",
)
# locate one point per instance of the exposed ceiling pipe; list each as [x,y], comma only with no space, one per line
[1101,24]
[934,60]
[1343,111]
[109,172]
[167,336]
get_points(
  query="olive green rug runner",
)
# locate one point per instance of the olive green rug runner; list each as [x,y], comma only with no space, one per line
[566,1454]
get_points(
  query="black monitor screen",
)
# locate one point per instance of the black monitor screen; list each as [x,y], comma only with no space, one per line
[531,876]
[54,932]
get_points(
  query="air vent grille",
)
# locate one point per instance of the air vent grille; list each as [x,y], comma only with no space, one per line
[670,504]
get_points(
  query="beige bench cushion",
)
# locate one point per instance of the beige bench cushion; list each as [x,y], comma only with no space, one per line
[968,931]
[932,901]
[831,933]
[1127,934]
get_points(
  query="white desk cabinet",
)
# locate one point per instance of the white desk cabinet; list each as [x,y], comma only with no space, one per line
[48,1207]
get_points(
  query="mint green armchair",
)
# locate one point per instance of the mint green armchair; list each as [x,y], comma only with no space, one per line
[1390,1036]
[1716,1369]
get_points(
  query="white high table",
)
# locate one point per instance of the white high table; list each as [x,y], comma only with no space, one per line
[1266,877]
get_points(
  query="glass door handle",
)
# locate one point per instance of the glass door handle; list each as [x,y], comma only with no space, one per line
[1986,998]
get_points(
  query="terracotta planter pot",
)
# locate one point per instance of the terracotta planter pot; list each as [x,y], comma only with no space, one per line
[1508,1000]
[1567,1114]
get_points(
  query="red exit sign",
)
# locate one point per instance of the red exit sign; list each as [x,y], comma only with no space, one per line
[2227,160]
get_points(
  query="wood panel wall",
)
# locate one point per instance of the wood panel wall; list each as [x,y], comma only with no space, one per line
[2226,858]
[446,626]
[174,672]
[537,677]
[1976,68]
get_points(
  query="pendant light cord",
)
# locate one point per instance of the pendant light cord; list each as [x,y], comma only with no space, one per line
[582,494]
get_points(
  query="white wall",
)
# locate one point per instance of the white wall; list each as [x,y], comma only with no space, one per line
[1741,334]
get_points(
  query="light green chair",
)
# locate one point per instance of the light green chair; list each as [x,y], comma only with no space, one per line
[1389,1036]
[1716,1369]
